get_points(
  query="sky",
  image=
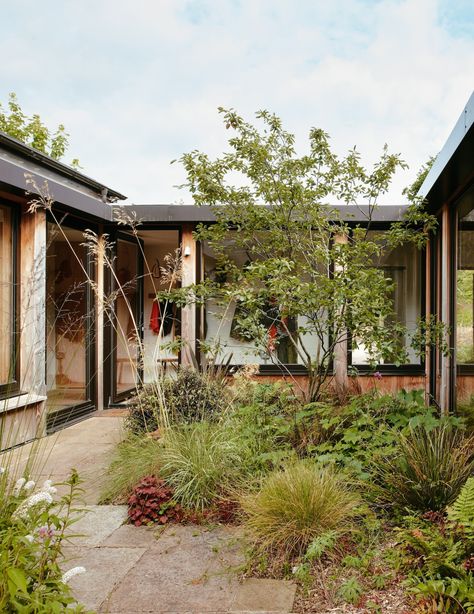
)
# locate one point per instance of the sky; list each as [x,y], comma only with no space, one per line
[138,83]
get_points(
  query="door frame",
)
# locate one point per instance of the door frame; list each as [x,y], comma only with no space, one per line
[67,415]
[111,396]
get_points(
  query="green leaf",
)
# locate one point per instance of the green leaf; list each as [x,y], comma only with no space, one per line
[18,580]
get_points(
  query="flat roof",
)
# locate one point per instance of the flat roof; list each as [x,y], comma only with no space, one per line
[170,214]
[453,166]
[26,152]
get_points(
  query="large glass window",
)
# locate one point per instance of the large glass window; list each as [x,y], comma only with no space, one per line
[402,265]
[464,308]
[128,319]
[277,343]
[68,315]
[8,365]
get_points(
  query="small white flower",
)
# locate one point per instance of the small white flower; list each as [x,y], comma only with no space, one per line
[29,538]
[48,487]
[40,498]
[2,470]
[18,486]
[71,573]
[29,485]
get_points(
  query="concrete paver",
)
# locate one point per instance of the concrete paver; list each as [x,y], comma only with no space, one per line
[105,568]
[257,594]
[97,523]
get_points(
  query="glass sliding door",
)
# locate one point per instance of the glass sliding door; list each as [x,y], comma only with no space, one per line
[69,323]
[127,333]
[464,305]
[8,302]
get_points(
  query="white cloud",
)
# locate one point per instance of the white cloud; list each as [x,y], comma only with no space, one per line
[138,83]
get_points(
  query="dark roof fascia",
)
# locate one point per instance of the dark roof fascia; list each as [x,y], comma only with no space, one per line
[175,214]
[453,169]
[75,198]
[25,151]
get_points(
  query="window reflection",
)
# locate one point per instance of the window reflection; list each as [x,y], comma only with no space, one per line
[464,331]
[402,265]
[7,318]
[67,318]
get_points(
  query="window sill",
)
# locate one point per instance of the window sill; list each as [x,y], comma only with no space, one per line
[19,401]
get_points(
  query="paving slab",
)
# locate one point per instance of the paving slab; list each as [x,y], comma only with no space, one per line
[180,574]
[97,523]
[262,595]
[128,536]
[105,568]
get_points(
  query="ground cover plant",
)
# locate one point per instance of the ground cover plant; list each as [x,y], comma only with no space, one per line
[152,501]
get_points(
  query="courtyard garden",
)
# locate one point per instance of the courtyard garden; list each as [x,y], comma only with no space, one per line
[367,506]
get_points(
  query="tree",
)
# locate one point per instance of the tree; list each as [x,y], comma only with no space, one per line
[308,273]
[32,131]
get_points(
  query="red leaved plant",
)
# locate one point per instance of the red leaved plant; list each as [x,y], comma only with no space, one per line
[152,501]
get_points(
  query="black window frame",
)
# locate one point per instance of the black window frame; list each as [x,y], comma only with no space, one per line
[392,369]
[12,387]
[268,369]
[56,420]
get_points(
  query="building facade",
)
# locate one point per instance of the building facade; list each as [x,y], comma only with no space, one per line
[80,326]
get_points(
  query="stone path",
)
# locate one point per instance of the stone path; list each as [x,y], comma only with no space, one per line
[181,569]
[185,569]
[85,446]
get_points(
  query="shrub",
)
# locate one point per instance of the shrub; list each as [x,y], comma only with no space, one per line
[151,501]
[429,469]
[358,434]
[190,396]
[201,462]
[144,410]
[32,529]
[134,458]
[262,418]
[296,505]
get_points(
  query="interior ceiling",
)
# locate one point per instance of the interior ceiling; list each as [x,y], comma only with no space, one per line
[164,238]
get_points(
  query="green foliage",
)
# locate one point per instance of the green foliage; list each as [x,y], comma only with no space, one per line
[321,545]
[145,409]
[189,396]
[32,131]
[298,504]
[412,190]
[449,595]
[288,243]
[440,561]
[263,417]
[355,436]
[429,469]
[134,458]
[462,510]
[201,462]
[351,590]
[32,531]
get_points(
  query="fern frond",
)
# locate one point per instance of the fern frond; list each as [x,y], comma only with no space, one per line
[462,510]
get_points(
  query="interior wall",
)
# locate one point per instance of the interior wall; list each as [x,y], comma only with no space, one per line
[158,245]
